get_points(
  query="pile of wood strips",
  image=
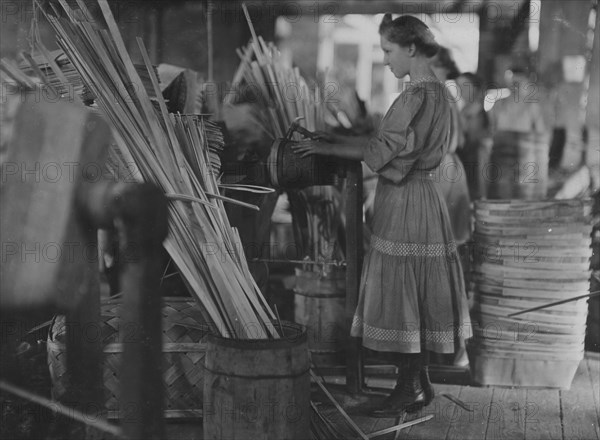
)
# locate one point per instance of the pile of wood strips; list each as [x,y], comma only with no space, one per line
[173,152]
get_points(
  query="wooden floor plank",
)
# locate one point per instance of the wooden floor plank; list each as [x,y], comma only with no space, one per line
[454,413]
[467,425]
[506,419]
[580,419]
[442,410]
[542,415]
[593,364]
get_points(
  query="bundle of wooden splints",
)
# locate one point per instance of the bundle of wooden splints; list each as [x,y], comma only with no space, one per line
[280,90]
[282,96]
[170,151]
[44,69]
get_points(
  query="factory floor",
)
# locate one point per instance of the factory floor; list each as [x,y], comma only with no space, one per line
[464,412]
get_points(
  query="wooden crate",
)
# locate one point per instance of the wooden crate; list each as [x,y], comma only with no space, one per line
[183,360]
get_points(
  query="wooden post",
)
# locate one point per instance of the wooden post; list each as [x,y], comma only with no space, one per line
[142,226]
[592,157]
[83,345]
[139,214]
[354,252]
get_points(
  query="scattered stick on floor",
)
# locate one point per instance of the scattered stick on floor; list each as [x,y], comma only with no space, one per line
[88,419]
[400,426]
[338,406]
[458,402]
[351,422]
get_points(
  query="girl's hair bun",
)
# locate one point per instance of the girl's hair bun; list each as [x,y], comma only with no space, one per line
[407,30]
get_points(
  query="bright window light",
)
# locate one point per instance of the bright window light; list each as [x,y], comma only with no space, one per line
[534,25]
[494,95]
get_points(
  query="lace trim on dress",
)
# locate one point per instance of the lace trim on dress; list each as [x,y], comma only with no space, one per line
[402,249]
[395,335]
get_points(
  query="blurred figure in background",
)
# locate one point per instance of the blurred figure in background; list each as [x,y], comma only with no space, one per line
[453,180]
[521,111]
[520,142]
[453,177]
[559,98]
[476,128]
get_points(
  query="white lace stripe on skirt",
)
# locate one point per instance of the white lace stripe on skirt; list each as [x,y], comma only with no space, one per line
[403,249]
[359,328]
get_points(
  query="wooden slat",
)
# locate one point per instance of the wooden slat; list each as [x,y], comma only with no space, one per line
[348,419]
[580,419]
[473,425]
[437,427]
[506,419]
[372,425]
[169,414]
[169,347]
[542,415]
[399,424]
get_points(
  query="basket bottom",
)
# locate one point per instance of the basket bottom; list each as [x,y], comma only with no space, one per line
[493,370]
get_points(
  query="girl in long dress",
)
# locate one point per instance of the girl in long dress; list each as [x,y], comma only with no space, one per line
[411,297]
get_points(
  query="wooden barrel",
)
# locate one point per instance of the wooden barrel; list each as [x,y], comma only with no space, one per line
[289,170]
[257,389]
[183,356]
[320,305]
[529,254]
[518,167]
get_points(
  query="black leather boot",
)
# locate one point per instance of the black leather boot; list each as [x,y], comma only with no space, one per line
[408,394]
[426,385]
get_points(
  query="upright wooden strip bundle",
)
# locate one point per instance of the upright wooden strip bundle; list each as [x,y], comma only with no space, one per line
[171,151]
[282,93]
[284,96]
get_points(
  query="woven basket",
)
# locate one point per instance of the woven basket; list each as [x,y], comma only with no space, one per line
[532,253]
[183,349]
[509,369]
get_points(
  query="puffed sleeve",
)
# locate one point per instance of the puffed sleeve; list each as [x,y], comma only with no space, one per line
[392,152]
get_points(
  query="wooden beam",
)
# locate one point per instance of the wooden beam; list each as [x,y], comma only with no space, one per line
[343,7]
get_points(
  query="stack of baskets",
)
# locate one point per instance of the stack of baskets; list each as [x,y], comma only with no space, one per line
[530,254]
[183,356]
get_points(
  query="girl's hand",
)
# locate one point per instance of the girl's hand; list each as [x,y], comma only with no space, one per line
[308,148]
[324,136]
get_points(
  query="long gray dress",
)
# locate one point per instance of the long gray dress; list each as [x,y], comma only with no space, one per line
[412,289]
